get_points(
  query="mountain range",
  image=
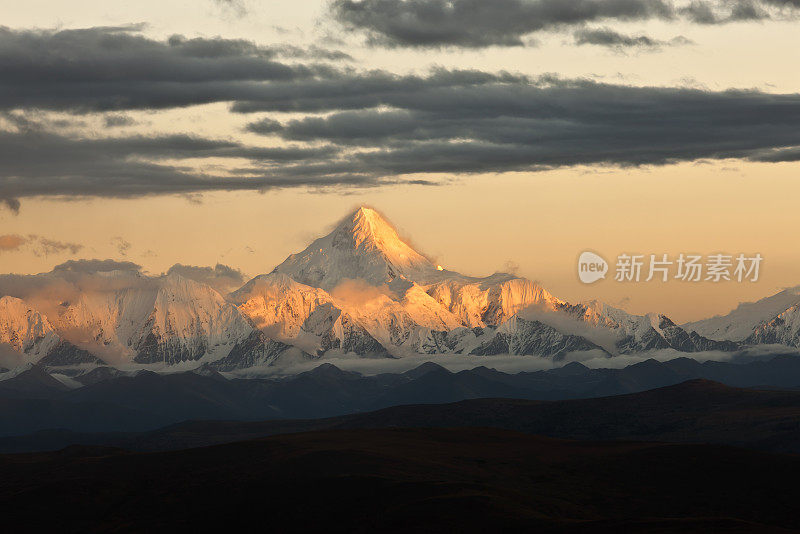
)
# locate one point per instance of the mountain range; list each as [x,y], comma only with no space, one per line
[360,290]
[110,400]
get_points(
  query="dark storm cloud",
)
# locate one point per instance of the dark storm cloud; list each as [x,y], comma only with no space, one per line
[117,68]
[545,124]
[477,23]
[777,155]
[356,128]
[726,11]
[363,90]
[448,122]
[135,166]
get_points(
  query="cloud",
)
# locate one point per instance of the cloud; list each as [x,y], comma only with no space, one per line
[68,279]
[221,277]
[505,363]
[47,291]
[135,166]
[350,128]
[777,155]
[727,11]
[122,246]
[360,294]
[382,129]
[477,23]
[10,242]
[613,39]
[39,245]
[544,123]
[44,247]
[116,68]
[238,7]
[96,266]
[510,267]
[10,203]
[116,120]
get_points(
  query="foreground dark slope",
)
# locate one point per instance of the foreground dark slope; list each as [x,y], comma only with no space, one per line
[404,480]
[697,411]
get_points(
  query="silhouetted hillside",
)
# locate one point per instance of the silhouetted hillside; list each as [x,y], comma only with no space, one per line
[697,411]
[411,480]
[326,391]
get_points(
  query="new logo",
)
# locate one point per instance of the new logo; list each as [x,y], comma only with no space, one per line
[591,267]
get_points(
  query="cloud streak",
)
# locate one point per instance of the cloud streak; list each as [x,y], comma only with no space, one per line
[475,23]
[612,39]
[478,24]
[39,245]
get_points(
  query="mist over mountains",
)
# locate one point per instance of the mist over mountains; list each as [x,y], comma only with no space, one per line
[358,292]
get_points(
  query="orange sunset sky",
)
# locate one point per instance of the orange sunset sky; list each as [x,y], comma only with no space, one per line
[534,219]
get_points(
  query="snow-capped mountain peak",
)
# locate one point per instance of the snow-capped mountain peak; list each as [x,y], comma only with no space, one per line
[363,246]
[368,230]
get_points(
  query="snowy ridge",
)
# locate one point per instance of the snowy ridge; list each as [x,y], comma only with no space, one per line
[25,330]
[167,320]
[277,304]
[784,329]
[490,301]
[638,333]
[303,316]
[749,317]
[188,321]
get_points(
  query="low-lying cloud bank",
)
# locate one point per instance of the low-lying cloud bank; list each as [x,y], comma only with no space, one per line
[68,280]
[508,363]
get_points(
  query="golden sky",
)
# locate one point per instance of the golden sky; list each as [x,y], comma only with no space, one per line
[534,222]
[538,223]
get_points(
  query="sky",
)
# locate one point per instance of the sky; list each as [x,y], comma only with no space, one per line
[497,136]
